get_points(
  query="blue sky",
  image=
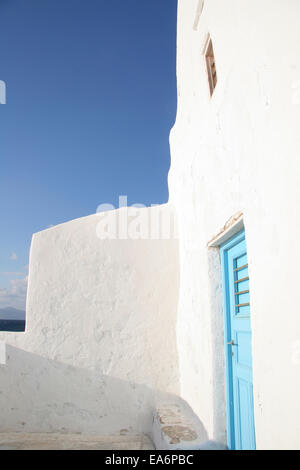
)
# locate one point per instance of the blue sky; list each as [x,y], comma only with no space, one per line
[91,98]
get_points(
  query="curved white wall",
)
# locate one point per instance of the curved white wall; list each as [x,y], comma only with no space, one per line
[239,152]
[100,340]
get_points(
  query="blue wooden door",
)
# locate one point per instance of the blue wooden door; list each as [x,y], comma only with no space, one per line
[239,386]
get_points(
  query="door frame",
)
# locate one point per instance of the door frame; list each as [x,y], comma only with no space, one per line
[224,248]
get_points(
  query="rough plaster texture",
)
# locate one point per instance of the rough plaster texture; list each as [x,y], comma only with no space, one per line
[239,151]
[100,340]
[2,353]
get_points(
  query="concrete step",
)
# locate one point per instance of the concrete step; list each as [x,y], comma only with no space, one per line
[57,441]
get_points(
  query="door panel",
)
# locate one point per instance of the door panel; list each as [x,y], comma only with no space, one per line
[238,340]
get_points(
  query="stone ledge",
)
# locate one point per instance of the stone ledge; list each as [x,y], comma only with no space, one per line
[176,427]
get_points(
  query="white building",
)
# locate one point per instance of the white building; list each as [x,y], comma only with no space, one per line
[118,327]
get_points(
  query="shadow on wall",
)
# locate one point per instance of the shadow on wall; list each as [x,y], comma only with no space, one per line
[41,395]
[217,336]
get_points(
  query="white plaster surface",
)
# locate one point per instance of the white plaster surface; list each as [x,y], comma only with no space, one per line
[100,340]
[2,353]
[239,152]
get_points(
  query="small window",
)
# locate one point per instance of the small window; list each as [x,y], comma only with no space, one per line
[211,66]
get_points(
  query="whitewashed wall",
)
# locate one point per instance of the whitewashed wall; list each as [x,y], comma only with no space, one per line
[100,337]
[239,151]
[100,344]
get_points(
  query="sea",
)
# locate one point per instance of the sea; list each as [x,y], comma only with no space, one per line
[12,325]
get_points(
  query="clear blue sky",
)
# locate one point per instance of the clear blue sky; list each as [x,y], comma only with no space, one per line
[91,98]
